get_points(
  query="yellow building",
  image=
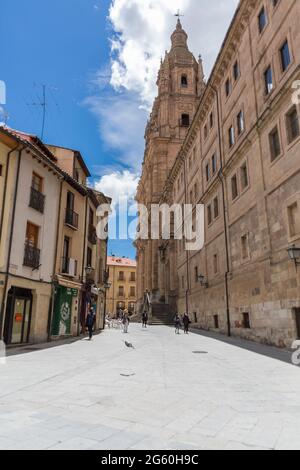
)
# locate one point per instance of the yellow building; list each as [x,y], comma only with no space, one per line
[122,279]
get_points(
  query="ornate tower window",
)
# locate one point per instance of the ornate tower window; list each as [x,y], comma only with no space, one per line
[185,120]
[184,81]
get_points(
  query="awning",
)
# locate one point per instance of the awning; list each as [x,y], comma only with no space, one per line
[62,281]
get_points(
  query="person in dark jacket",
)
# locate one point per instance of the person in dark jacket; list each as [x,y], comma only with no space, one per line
[186,323]
[145,319]
[90,321]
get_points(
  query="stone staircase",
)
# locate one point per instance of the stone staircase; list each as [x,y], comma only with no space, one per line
[161,315]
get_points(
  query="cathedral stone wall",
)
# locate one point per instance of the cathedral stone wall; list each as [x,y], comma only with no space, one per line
[240,159]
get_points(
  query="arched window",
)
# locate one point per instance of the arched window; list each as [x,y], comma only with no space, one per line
[185,120]
[184,81]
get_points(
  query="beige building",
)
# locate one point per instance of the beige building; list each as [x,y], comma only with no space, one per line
[240,159]
[52,264]
[29,201]
[122,280]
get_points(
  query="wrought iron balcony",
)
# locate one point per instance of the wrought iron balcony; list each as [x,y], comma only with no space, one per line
[31,257]
[37,200]
[92,236]
[72,218]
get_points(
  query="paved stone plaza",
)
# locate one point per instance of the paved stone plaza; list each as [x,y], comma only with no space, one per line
[162,395]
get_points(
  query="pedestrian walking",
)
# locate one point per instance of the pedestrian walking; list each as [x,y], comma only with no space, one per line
[186,323]
[177,322]
[90,321]
[125,321]
[145,319]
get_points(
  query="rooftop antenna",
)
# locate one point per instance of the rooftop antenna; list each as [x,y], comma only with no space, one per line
[43,104]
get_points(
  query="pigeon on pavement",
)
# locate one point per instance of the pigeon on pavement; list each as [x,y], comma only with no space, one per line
[129,345]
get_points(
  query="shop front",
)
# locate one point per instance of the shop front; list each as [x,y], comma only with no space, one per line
[18,316]
[64,311]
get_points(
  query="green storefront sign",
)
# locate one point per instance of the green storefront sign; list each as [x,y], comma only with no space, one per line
[62,316]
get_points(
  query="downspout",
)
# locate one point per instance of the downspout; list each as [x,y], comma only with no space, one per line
[10,243]
[52,302]
[187,253]
[83,266]
[4,189]
[105,290]
[221,178]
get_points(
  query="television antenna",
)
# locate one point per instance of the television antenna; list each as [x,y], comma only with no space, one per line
[43,103]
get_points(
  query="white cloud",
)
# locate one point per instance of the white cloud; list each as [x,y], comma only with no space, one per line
[141,34]
[121,126]
[119,185]
[143,29]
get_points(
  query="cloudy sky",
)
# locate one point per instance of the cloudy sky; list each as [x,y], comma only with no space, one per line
[100,69]
[140,33]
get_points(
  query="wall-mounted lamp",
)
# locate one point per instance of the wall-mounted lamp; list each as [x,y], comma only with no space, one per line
[294,254]
[203,281]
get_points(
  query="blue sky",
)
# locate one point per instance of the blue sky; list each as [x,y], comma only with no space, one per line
[61,44]
[99,61]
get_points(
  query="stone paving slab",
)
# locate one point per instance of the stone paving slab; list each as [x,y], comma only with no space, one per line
[101,395]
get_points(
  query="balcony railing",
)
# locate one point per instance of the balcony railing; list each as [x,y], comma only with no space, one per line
[72,218]
[31,257]
[69,267]
[92,235]
[37,200]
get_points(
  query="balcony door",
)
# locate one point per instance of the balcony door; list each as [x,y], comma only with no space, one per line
[66,255]
[70,201]
[18,316]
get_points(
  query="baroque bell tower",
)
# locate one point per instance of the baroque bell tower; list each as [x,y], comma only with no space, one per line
[180,86]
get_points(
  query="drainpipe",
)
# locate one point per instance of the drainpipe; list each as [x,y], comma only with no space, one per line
[10,242]
[5,189]
[83,265]
[187,253]
[52,302]
[221,178]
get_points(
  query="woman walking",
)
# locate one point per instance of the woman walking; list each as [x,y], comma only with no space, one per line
[125,321]
[145,319]
[186,323]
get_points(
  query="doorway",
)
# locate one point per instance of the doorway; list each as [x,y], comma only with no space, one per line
[297,317]
[18,316]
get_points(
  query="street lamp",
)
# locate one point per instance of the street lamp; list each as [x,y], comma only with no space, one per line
[294,254]
[88,270]
[203,281]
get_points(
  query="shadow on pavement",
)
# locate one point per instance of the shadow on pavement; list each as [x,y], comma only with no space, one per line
[283,355]
[29,348]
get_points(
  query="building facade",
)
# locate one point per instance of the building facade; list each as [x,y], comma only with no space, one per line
[52,264]
[29,206]
[122,280]
[180,86]
[240,160]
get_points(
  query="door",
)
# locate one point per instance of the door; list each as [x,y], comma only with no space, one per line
[62,311]
[18,316]
[297,315]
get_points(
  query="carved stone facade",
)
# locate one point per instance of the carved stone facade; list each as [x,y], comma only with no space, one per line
[180,85]
[240,159]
